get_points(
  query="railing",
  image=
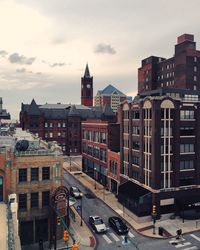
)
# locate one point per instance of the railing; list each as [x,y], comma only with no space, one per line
[38,153]
[11,238]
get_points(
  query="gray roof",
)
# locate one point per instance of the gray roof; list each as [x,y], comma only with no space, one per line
[110,89]
[62,111]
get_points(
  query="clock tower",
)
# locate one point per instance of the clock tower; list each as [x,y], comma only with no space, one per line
[87,88]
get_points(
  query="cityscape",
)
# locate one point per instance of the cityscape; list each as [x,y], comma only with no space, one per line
[95,153]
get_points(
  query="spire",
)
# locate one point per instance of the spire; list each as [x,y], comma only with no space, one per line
[87,72]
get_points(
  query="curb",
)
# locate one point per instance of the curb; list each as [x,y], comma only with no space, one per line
[137,230]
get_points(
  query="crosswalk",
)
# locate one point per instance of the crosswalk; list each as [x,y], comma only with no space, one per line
[111,237]
[184,244]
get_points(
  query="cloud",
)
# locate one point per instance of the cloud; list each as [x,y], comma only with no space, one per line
[22,70]
[102,48]
[57,65]
[20,59]
[3,53]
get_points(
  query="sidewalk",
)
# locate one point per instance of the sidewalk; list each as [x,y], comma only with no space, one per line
[143,225]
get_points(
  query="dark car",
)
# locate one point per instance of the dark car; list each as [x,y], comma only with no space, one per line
[118,225]
[75,192]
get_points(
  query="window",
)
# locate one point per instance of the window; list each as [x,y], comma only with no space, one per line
[136,114]
[34,174]
[187,114]
[63,125]
[96,136]
[186,165]
[89,136]
[90,149]
[195,59]
[45,198]
[22,198]
[84,134]
[195,68]
[103,137]
[45,173]
[168,132]
[22,175]
[195,78]
[103,155]
[51,135]
[34,199]
[126,143]
[46,135]
[187,131]
[59,134]
[186,148]
[166,149]
[136,145]
[136,130]
[59,124]
[51,125]
[195,87]
[113,167]
[46,125]
[84,148]
[96,152]
[135,160]
[63,134]
[166,166]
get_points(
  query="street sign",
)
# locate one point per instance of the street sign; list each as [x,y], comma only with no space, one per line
[78,207]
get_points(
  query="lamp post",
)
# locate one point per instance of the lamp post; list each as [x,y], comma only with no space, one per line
[81,194]
[95,184]
[70,163]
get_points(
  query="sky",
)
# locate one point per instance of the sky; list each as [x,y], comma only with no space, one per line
[45,44]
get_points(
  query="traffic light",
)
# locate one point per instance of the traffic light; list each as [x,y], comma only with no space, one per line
[58,221]
[154,210]
[75,246]
[65,235]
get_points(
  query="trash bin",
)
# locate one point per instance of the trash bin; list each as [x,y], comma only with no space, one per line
[160,231]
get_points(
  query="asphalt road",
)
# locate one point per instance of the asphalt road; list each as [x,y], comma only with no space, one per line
[111,241]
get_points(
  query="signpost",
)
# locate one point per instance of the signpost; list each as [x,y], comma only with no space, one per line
[60,207]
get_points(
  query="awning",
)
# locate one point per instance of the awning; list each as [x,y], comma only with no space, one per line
[132,190]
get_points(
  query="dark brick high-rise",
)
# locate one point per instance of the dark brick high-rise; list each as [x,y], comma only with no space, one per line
[160,136]
[179,71]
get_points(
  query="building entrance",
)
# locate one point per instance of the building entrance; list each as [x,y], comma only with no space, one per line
[1,188]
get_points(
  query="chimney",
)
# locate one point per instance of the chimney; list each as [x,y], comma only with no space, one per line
[185,37]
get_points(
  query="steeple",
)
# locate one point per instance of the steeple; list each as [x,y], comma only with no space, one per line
[87,88]
[87,72]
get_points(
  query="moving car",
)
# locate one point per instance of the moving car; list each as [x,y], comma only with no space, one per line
[97,224]
[118,225]
[75,192]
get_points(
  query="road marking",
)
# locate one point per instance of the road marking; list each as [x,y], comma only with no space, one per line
[195,237]
[174,240]
[107,239]
[131,235]
[114,237]
[191,248]
[183,245]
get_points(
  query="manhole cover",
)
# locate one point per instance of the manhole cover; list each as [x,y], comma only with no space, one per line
[90,196]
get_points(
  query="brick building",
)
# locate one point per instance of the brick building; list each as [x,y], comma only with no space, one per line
[179,71]
[3,112]
[32,171]
[62,122]
[110,96]
[160,136]
[99,135]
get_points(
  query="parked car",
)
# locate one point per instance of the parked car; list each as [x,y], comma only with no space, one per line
[117,225]
[75,192]
[97,224]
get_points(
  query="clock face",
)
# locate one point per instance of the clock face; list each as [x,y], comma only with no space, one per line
[88,86]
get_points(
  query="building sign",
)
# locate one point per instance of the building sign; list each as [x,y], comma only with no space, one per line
[60,201]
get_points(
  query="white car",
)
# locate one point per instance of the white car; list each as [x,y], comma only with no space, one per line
[97,224]
[75,192]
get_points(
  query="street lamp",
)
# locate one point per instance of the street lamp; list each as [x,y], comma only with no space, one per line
[81,194]
[95,184]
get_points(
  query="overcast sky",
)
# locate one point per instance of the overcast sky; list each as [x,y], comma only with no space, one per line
[45,44]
